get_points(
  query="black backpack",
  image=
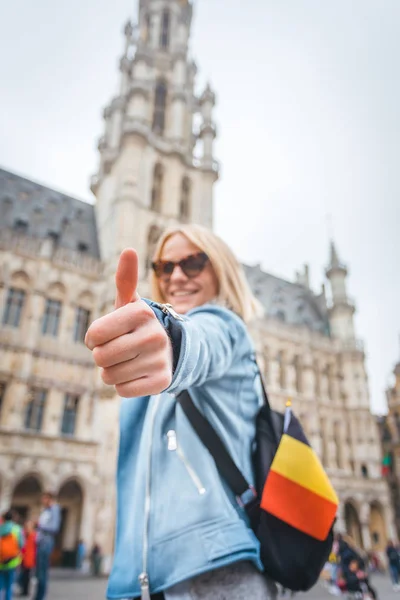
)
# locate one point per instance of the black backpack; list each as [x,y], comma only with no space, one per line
[290,556]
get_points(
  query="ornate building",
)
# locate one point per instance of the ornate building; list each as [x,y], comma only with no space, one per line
[390,436]
[58,422]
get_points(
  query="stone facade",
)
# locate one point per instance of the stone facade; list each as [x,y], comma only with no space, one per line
[390,436]
[58,422]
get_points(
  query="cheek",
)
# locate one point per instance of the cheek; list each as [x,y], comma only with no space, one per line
[210,289]
[162,287]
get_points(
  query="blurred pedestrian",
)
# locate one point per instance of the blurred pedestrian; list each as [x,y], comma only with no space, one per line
[96,560]
[28,557]
[80,554]
[394,564]
[11,543]
[47,528]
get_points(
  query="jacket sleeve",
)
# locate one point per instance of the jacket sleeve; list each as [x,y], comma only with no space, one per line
[203,344]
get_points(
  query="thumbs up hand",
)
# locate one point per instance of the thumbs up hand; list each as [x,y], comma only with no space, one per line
[130,345]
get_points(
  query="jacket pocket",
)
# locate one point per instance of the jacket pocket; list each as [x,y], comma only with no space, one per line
[173,446]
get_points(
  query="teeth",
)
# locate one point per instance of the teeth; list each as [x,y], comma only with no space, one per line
[182,293]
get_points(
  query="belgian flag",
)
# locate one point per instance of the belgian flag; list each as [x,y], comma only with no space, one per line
[297,489]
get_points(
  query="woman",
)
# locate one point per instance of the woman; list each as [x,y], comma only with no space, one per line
[28,557]
[181,534]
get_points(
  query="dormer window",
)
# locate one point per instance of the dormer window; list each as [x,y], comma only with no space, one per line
[82,247]
[20,225]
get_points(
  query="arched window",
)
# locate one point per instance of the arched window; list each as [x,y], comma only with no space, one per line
[185,199]
[160,100]
[165,29]
[146,29]
[298,374]
[281,370]
[156,191]
[152,239]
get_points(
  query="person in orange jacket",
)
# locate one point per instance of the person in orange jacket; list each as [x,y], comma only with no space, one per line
[28,557]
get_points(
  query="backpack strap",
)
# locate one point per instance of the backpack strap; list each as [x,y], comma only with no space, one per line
[244,492]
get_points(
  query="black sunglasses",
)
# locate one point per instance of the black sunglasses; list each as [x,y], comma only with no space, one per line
[191,266]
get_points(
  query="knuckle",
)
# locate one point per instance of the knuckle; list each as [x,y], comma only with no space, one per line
[159,336]
[98,356]
[165,380]
[126,390]
[107,377]
[153,336]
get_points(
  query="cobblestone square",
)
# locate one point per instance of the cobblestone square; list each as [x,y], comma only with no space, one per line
[67,585]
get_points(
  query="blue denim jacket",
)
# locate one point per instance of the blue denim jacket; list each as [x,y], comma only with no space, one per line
[175,516]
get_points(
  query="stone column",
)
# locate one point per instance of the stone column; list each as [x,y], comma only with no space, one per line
[340,526]
[53,412]
[13,413]
[87,531]
[389,520]
[365,514]
[5,495]
[82,428]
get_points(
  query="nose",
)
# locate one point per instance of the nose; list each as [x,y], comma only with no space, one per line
[177,275]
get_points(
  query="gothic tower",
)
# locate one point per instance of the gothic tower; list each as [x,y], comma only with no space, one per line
[156,156]
[342,309]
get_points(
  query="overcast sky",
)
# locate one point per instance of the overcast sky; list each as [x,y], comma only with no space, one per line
[308,120]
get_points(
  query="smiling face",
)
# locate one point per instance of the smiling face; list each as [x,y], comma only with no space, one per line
[182,292]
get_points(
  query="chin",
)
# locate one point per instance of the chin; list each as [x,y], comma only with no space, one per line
[183,306]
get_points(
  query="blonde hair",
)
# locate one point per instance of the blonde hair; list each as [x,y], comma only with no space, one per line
[233,290]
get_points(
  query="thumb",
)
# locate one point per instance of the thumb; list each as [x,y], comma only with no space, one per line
[126,278]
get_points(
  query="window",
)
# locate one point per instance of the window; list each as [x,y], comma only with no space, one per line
[147,28]
[185,199]
[152,239]
[54,236]
[20,225]
[68,424]
[51,317]
[13,309]
[82,318]
[298,374]
[159,107]
[2,395]
[35,409]
[282,370]
[165,27]
[364,471]
[156,192]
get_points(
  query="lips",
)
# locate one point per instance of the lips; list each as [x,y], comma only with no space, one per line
[183,293]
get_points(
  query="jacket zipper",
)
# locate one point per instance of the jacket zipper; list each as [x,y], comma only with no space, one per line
[168,309]
[173,446]
[144,577]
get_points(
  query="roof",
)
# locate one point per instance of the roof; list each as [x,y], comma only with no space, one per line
[41,212]
[292,303]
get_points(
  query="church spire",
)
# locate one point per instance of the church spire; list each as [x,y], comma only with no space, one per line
[341,308]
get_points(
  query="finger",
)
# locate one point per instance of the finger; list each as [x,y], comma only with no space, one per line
[130,370]
[126,278]
[124,320]
[126,347]
[145,386]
